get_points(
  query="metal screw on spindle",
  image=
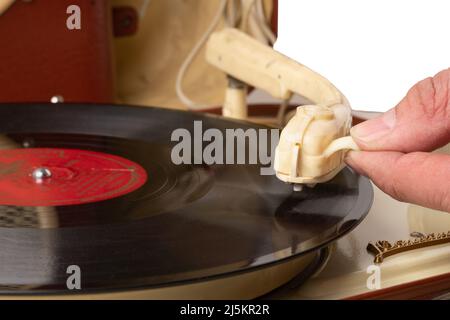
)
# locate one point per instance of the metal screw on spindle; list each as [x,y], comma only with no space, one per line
[40,174]
[27,143]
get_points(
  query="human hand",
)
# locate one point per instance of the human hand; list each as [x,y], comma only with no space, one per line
[396,146]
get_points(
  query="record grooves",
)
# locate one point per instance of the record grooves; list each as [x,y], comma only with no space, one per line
[179,223]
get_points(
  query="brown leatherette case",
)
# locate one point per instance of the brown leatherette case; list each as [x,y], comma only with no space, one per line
[41,58]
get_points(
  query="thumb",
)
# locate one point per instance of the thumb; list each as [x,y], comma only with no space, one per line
[418,177]
[420,122]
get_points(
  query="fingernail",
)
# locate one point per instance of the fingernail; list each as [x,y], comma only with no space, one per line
[374,129]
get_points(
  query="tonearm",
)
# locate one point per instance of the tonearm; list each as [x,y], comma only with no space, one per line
[313,143]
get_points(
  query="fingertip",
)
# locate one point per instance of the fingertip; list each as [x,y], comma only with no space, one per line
[354,160]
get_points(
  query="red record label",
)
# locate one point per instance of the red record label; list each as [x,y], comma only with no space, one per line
[57,177]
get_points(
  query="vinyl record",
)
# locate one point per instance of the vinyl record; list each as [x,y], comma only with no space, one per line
[118,208]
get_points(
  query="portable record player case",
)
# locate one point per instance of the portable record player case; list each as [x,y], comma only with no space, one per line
[344,275]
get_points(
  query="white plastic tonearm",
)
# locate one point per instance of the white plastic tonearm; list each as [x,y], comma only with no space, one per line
[313,143]
[312,146]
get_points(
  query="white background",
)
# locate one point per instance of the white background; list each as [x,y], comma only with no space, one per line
[373,51]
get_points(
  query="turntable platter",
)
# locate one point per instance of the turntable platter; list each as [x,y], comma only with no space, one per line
[178,224]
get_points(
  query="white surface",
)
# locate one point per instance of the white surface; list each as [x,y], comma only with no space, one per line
[373,51]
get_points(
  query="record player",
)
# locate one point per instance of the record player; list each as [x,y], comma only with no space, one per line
[112,192]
